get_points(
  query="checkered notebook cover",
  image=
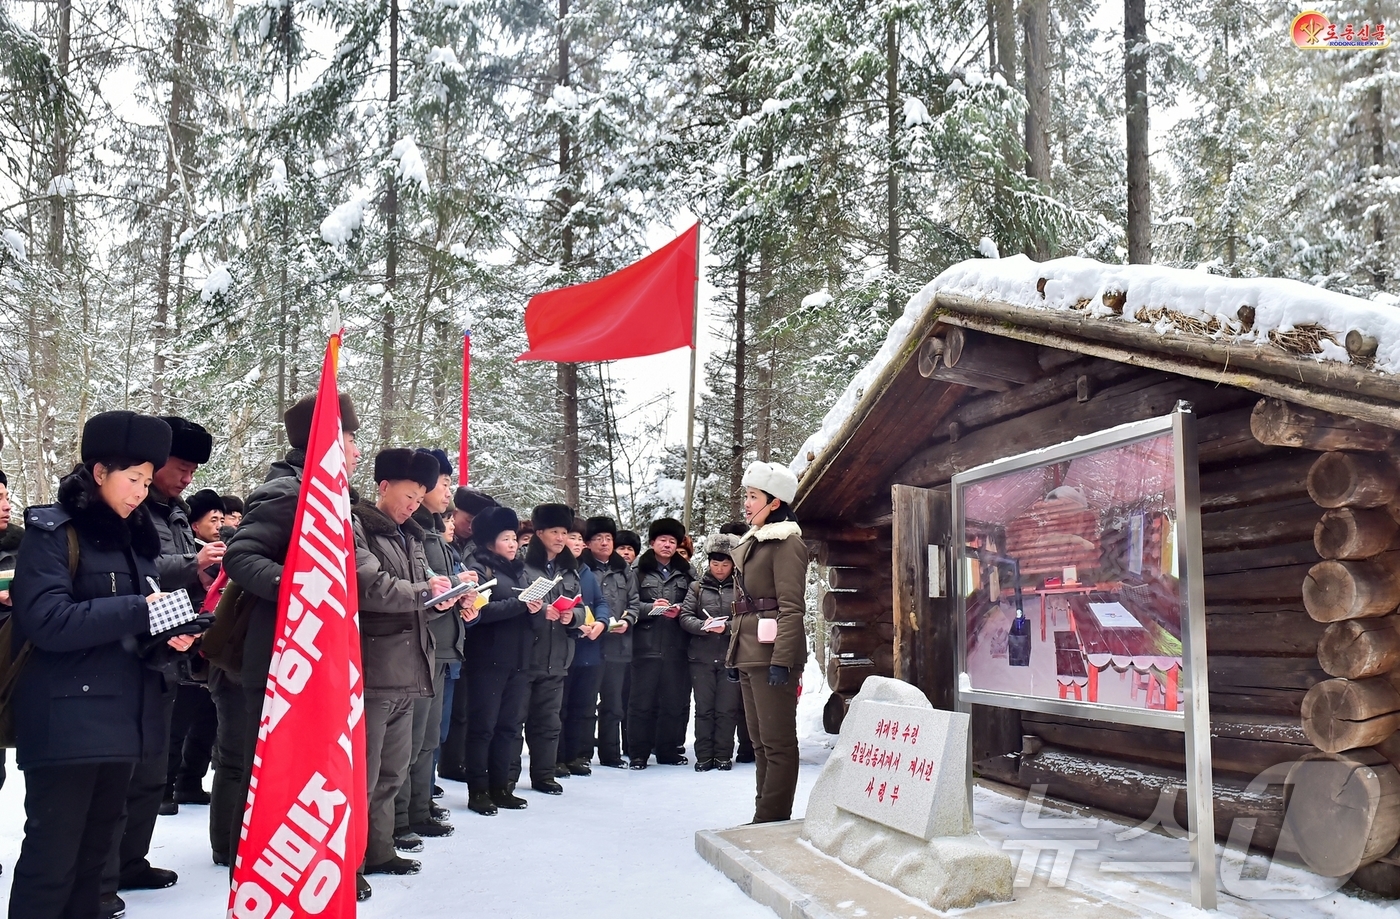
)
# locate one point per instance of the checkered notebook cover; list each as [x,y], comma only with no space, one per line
[171,610]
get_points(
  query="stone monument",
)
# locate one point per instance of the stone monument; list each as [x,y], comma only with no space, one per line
[892,801]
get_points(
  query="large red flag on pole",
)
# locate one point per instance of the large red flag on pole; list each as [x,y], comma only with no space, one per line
[463,453]
[646,308]
[304,826]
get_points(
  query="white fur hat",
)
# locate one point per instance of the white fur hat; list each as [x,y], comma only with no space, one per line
[774,478]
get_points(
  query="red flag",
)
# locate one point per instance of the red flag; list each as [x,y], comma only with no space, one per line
[463,453]
[646,308]
[304,826]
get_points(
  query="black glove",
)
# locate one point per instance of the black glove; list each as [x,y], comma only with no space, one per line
[777,676]
[731,674]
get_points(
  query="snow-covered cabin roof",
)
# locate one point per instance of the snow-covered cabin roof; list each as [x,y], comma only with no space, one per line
[1279,337]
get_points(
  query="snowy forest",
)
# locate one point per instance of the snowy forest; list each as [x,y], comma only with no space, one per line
[191,188]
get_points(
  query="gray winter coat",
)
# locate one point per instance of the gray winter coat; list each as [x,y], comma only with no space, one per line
[658,636]
[448,630]
[707,599]
[396,644]
[618,582]
[177,564]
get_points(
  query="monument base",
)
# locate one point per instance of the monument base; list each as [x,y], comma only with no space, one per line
[946,872]
[949,868]
[772,864]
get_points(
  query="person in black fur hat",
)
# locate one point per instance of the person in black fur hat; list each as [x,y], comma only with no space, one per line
[82,611]
[658,706]
[194,723]
[548,556]
[297,420]
[183,564]
[256,554]
[396,646]
[466,504]
[618,582]
[496,658]
[206,515]
[627,544]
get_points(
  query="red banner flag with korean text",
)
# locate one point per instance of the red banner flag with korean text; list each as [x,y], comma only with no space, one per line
[646,308]
[304,826]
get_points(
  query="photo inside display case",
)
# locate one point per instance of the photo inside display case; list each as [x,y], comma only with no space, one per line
[1071,582]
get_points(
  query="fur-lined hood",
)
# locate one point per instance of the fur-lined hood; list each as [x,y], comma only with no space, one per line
[378,523]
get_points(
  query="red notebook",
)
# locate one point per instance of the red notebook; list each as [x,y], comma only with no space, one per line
[564,604]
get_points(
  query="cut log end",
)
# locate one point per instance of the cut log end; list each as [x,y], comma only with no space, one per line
[1335,590]
[1282,424]
[1343,810]
[1354,533]
[1345,479]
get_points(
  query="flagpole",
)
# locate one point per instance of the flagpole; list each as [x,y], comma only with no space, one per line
[690,416]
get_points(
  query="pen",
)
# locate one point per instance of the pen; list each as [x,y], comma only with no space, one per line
[152,581]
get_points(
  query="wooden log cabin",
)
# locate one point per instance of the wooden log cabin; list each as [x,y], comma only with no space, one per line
[1298,419]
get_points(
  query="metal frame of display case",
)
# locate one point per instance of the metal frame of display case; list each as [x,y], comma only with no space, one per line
[1193,719]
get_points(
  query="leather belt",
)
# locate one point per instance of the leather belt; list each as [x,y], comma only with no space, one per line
[753,606]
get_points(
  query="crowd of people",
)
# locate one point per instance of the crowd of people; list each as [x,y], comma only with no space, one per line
[114,726]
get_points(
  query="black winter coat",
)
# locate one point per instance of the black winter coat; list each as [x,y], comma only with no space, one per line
[554,643]
[255,557]
[444,560]
[503,634]
[658,636]
[707,598]
[85,696]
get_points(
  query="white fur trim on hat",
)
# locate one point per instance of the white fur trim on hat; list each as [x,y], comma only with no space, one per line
[774,478]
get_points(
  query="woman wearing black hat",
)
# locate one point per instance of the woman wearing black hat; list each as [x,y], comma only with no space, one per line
[718,702]
[86,707]
[496,655]
[659,705]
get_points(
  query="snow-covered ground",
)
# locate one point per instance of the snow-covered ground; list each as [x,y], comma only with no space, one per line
[620,844]
[617,844]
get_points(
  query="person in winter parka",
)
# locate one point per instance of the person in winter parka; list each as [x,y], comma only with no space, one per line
[706,616]
[658,708]
[396,646]
[619,585]
[548,556]
[580,714]
[86,707]
[496,659]
[768,645]
[253,561]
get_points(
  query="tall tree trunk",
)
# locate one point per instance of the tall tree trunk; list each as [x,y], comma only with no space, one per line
[391,256]
[567,373]
[1374,103]
[892,113]
[160,331]
[1135,84]
[741,302]
[285,29]
[58,153]
[763,423]
[1003,15]
[1036,25]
